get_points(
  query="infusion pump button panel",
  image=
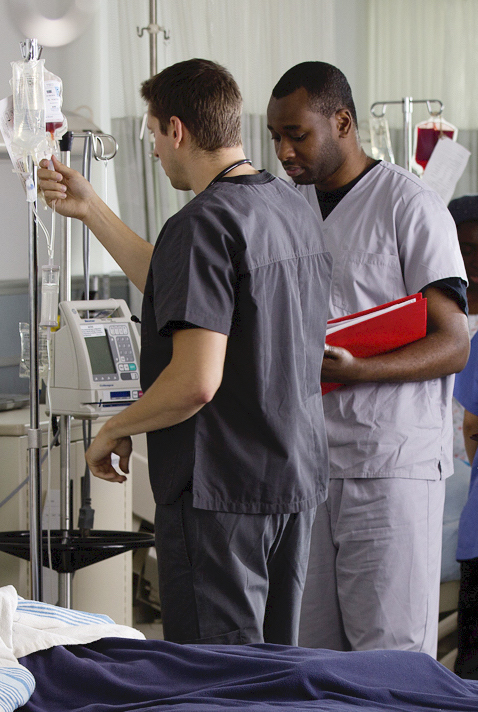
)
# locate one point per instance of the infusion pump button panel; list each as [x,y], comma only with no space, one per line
[96,359]
[111,352]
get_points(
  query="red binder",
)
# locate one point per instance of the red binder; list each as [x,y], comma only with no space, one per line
[378,330]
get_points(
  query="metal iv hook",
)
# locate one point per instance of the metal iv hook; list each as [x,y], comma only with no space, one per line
[429,102]
[383,104]
[153,29]
[99,151]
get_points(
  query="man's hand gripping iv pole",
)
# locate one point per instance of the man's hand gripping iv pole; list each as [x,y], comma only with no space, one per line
[74,197]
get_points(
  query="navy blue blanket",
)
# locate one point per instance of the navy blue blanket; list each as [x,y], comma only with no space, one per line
[146,675]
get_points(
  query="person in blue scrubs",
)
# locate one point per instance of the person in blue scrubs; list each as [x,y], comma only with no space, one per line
[466,392]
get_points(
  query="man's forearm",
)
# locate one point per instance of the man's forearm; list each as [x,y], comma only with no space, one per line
[189,382]
[434,356]
[443,351]
[74,197]
[162,406]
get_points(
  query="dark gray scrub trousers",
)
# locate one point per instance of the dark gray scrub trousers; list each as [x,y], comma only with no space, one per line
[229,578]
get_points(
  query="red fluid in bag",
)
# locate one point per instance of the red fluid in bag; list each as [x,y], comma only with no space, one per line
[52,126]
[427,138]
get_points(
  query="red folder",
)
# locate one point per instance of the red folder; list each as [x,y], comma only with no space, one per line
[378,330]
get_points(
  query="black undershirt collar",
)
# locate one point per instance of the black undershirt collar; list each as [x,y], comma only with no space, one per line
[329,199]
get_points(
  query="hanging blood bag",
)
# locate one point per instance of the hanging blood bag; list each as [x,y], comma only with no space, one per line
[427,134]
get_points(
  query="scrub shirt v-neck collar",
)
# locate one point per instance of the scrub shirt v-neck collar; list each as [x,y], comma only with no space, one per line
[328,200]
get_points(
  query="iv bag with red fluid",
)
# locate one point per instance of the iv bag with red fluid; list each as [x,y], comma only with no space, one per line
[427,135]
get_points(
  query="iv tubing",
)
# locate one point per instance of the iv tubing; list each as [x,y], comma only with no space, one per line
[52,235]
[48,489]
[45,231]
[27,479]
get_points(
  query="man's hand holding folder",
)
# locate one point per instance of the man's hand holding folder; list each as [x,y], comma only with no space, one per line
[375,331]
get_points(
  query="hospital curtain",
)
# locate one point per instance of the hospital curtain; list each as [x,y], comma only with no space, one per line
[257,40]
[426,49]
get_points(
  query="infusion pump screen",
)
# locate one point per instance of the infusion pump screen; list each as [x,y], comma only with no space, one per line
[99,351]
[111,352]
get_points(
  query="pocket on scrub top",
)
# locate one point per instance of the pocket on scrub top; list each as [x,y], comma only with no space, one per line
[362,280]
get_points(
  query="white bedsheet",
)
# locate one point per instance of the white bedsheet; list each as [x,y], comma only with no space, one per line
[29,626]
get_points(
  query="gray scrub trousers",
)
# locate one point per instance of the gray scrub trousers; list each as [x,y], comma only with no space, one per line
[229,578]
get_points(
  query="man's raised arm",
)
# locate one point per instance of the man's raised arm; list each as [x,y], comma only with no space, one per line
[75,197]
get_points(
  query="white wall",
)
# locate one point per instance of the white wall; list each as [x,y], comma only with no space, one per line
[351,50]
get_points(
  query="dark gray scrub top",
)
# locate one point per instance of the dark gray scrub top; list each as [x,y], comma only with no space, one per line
[244,258]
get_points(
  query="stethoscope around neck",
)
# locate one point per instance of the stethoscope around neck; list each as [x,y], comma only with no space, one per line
[227,170]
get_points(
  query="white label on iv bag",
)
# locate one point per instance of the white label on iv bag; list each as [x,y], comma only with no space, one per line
[53,101]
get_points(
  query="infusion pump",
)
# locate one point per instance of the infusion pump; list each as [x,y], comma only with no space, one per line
[95,367]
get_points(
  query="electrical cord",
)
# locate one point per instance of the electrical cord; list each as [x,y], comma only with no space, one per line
[87,513]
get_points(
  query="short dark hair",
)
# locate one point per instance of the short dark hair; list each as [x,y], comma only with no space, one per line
[464,209]
[204,95]
[327,87]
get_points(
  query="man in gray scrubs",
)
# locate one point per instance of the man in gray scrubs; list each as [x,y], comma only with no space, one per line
[232,333]
[374,568]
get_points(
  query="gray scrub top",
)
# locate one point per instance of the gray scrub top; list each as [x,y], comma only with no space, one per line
[389,237]
[244,258]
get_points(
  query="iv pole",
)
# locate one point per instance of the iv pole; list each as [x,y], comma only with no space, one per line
[67,553]
[64,580]
[154,29]
[90,148]
[407,107]
[34,433]
[31,51]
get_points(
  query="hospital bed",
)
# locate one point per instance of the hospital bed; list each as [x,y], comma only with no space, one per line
[56,660]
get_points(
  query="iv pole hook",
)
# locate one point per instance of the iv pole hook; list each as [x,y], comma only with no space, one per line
[153,30]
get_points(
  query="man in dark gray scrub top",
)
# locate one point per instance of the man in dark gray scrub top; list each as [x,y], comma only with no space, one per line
[234,311]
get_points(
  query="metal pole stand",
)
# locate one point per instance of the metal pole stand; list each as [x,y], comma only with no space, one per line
[407,107]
